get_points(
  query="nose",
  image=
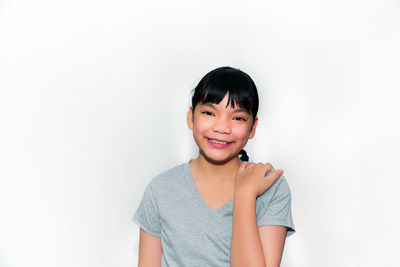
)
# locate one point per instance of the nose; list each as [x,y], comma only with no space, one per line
[222,126]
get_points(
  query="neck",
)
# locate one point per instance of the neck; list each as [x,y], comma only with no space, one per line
[216,172]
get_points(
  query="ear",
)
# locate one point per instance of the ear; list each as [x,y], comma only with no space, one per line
[253,129]
[190,118]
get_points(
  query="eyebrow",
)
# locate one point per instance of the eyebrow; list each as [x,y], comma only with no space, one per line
[238,110]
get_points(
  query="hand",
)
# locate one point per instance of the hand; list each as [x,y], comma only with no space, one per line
[251,178]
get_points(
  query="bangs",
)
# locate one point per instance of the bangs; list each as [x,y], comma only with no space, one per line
[240,88]
[215,95]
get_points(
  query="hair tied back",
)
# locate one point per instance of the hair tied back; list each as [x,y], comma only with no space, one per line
[243,156]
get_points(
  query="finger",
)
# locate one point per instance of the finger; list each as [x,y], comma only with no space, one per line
[265,169]
[260,164]
[274,175]
[250,165]
[269,164]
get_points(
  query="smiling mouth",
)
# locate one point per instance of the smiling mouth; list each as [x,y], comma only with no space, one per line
[218,142]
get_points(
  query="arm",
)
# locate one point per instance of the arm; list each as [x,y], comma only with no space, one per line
[252,245]
[150,250]
[273,239]
[246,247]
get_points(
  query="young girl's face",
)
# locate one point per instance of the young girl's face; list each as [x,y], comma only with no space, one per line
[221,131]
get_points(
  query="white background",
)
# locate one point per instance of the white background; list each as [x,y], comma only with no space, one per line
[93,102]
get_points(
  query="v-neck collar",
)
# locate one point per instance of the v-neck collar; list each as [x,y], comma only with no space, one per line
[197,197]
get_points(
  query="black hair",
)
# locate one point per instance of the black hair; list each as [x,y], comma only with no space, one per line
[243,156]
[241,90]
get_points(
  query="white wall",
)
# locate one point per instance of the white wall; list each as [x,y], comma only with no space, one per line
[93,101]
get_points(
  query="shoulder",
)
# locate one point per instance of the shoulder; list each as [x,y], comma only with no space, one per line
[280,185]
[168,178]
[280,189]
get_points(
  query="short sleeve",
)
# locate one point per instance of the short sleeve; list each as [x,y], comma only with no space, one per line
[278,211]
[147,214]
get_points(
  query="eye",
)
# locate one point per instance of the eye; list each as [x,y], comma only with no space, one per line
[207,113]
[240,119]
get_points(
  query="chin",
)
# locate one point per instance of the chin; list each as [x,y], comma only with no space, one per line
[218,159]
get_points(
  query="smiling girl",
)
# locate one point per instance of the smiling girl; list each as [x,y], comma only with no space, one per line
[218,209]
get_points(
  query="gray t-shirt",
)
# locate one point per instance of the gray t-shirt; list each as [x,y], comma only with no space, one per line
[192,234]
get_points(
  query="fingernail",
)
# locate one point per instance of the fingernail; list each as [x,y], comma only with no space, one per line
[281,171]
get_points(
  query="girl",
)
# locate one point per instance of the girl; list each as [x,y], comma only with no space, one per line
[217,210]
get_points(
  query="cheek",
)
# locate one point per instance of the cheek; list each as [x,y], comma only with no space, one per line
[242,132]
[201,124]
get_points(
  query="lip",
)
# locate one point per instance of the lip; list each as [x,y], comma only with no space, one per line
[219,140]
[215,145]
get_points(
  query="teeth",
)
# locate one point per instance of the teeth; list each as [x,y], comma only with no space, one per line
[218,142]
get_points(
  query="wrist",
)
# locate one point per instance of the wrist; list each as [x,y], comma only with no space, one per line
[244,194]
